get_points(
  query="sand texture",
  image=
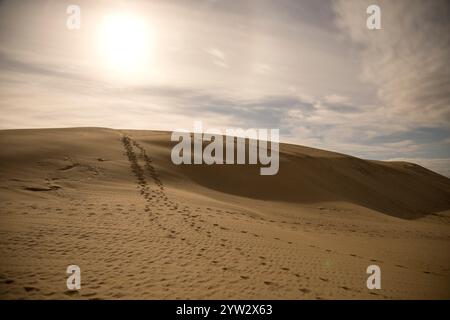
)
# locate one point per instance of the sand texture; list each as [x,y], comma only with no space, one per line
[140,227]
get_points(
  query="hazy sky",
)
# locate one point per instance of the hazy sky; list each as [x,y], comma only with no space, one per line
[310,68]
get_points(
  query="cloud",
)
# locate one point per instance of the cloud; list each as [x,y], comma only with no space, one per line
[408,59]
[335,98]
[219,58]
[8,63]
[261,68]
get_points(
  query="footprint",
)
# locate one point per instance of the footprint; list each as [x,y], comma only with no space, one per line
[8,281]
[304,290]
[70,292]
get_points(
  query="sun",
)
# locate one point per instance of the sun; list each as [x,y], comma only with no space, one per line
[124,42]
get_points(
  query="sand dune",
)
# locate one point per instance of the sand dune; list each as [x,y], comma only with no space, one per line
[112,202]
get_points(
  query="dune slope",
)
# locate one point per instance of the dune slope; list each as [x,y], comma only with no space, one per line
[112,202]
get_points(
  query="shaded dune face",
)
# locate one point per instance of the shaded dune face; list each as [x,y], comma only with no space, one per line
[306,175]
[398,189]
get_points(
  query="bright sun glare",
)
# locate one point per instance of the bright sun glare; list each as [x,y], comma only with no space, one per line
[124,42]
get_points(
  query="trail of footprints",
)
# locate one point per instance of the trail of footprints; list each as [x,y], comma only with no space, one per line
[156,196]
[157,201]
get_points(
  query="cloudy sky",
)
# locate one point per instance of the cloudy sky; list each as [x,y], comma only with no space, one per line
[310,68]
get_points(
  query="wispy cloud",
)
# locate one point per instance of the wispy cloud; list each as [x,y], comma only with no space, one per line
[219,58]
[408,59]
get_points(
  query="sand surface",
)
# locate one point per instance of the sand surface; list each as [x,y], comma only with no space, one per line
[139,227]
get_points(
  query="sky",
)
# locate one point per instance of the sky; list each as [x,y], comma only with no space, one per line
[310,68]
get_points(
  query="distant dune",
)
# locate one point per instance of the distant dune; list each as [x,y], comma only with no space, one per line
[112,202]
